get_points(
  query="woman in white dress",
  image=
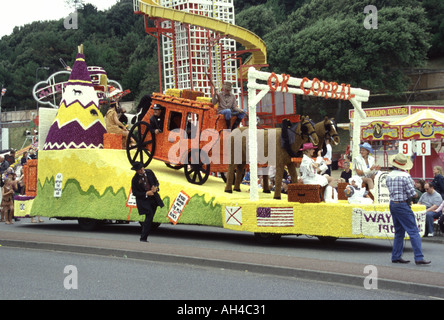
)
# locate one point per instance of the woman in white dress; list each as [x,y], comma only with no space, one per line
[310,169]
[364,165]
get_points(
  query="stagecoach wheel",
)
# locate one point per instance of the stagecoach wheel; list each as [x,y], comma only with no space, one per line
[145,143]
[173,166]
[197,171]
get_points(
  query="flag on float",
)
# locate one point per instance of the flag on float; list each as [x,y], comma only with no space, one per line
[233,216]
[274,217]
[3,91]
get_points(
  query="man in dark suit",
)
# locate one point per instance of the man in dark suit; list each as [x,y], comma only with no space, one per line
[156,121]
[145,188]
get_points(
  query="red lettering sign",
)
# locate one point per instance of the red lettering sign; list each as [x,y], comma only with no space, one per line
[324,89]
[327,90]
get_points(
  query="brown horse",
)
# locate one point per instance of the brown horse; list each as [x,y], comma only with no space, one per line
[305,132]
[326,130]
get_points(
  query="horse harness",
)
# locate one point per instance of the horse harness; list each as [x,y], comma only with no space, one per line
[309,134]
[328,128]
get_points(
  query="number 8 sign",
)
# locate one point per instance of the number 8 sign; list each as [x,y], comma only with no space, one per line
[423,148]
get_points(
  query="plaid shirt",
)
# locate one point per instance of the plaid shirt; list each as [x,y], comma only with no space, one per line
[400,185]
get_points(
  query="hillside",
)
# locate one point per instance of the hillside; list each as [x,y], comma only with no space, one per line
[317,38]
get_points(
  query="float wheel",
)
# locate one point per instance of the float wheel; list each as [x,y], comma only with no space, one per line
[196,170]
[173,166]
[145,143]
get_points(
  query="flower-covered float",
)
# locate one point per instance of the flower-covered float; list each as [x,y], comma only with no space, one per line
[78,179]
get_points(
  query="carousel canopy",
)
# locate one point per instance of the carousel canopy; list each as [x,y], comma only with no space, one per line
[426,124]
[419,116]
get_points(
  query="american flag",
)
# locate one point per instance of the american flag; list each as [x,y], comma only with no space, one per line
[274,217]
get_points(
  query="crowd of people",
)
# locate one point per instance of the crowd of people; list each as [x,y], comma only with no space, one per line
[428,193]
[12,183]
[431,194]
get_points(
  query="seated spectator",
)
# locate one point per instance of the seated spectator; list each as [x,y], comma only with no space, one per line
[310,169]
[346,174]
[10,157]
[432,200]
[284,188]
[24,158]
[365,166]
[246,178]
[4,164]
[419,188]
[311,173]
[32,154]
[438,180]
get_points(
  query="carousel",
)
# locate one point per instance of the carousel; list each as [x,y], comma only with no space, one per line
[419,135]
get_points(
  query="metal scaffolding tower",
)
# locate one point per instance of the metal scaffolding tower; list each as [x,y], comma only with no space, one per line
[192,51]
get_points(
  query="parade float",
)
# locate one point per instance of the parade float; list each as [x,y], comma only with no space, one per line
[82,174]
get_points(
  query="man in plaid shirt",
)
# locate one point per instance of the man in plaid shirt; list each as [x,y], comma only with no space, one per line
[401,188]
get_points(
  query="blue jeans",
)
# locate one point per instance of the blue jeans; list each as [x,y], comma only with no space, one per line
[430,216]
[227,114]
[404,221]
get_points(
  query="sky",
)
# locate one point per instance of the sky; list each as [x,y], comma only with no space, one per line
[18,13]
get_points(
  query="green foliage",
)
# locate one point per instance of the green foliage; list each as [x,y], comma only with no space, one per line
[252,19]
[113,39]
[435,14]
[326,39]
[315,38]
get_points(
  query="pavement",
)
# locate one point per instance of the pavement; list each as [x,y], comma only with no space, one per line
[418,281]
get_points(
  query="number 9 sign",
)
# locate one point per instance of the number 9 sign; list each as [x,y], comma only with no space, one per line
[405,147]
[423,148]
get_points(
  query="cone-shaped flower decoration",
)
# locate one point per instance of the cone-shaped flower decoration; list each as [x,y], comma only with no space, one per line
[79,123]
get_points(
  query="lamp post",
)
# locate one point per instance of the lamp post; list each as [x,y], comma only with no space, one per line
[36,78]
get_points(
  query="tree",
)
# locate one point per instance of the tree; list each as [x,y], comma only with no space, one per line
[258,19]
[326,39]
[435,14]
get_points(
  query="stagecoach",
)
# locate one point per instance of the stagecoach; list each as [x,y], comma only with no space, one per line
[193,137]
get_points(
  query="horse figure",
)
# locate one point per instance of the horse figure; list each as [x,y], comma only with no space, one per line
[142,108]
[326,130]
[304,132]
